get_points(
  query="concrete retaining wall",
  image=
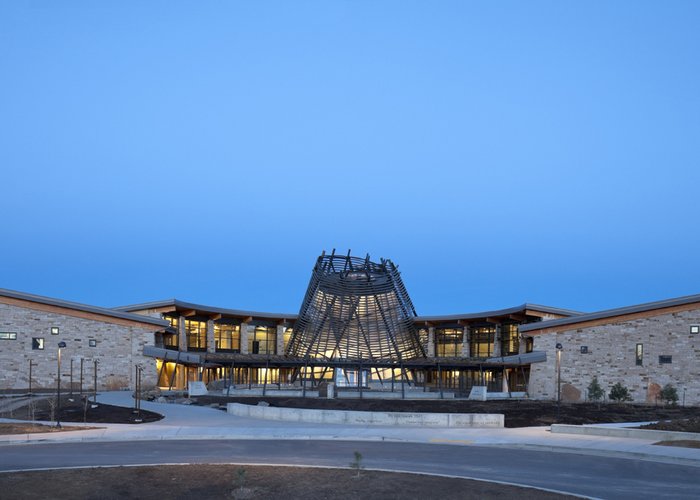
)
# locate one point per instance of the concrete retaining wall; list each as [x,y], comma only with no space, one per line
[491,420]
[624,432]
[284,393]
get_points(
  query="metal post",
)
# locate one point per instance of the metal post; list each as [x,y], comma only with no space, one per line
[303,378]
[31,363]
[267,373]
[61,345]
[81,376]
[558,376]
[440,381]
[95,382]
[359,379]
[403,392]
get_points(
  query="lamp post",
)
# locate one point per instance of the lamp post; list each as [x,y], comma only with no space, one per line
[61,345]
[559,348]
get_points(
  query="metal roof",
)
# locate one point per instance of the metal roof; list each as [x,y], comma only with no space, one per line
[208,309]
[501,312]
[611,313]
[103,311]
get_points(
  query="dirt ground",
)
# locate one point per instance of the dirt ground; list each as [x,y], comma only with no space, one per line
[37,428]
[518,413]
[73,409]
[678,425]
[248,482]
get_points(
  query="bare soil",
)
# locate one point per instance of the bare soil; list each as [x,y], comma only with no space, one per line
[518,413]
[73,409]
[37,428]
[680,425]
[254,482]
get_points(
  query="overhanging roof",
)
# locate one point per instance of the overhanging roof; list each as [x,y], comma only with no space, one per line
[611,313]
[75,306]
[501,312]
[179,304]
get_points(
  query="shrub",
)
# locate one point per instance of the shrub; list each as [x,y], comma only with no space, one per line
[595,391]
[619,393]
[357,463]
[669,395]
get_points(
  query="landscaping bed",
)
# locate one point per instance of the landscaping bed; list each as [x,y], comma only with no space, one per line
[518,413]
[73,409]
[249,482]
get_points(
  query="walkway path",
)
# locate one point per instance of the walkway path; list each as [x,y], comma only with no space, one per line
[196,422]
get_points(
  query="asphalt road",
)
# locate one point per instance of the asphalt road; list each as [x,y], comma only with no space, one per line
[596,476]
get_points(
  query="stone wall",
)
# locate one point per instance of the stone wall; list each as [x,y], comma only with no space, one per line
[611,356]
[117,348]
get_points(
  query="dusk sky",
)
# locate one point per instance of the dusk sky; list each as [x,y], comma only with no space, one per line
[497,152]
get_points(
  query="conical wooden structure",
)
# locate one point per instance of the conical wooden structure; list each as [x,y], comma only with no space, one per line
[355,309]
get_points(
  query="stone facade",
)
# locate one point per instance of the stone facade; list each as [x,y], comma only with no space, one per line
[117,346]
[609,351]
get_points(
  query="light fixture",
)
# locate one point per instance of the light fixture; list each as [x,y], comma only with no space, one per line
[54,330]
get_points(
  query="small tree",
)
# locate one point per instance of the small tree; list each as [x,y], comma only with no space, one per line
[357,463]
[619,393]
[669,395]
[595,391]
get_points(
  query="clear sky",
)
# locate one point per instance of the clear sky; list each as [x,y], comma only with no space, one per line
[497,152]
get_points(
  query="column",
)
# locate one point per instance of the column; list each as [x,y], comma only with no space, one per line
[280,339]
[181,334]
[244,338]
[431,342]
[465,342]
[211,342]
[497,342]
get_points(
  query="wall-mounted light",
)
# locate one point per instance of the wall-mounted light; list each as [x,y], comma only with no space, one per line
[54,330]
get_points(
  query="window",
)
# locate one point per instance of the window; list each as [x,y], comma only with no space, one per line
[694,329]
[171,340]
[196,333]
[448,342]
[93,343]
[639,354]
[584,349]
[510,340]
[263,340]
[227,337]
[665,360]
[481,341]
[8,335]
[529,344]
[54,330]
[38,343]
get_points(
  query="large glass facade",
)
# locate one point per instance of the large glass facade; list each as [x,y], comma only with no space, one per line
[262,340]
[481,341]
[448,342]
[227,337]
[196,332]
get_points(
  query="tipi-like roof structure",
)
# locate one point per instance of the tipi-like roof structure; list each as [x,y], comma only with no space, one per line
[356,309]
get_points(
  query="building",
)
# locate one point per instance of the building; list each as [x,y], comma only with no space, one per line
[356,328]
[101,345]
[644,347]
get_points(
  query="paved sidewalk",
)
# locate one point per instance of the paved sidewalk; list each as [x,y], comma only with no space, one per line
[196,422]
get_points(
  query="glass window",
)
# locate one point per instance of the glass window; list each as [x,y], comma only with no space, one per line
[639,354]
[196,332]
[510,339]
[38,343]
[448,342]
[8,335]
[665,360]
[227,337]
[170,340]
[263,340]
[481,341]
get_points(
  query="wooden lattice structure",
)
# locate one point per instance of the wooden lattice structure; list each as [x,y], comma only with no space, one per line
[355,309]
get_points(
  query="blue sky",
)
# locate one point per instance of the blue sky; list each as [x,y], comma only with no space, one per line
[498,152]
